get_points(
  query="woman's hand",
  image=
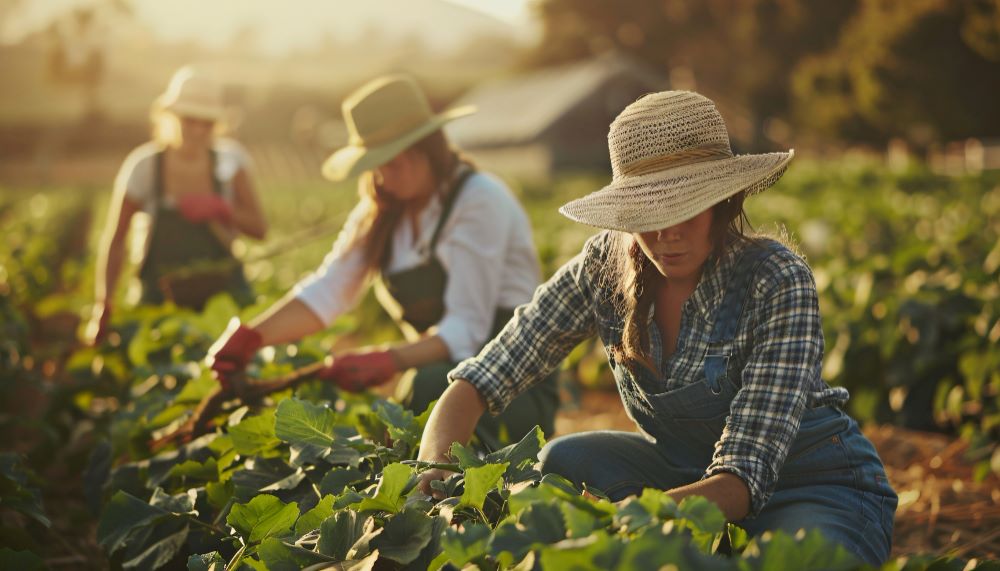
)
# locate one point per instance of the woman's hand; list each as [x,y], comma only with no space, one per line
[362,369]
[433,475]
[232,351]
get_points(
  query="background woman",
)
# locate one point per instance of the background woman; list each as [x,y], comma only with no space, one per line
[196,189]
[714,338]
[448,248]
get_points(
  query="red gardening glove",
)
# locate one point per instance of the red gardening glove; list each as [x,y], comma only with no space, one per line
[200,207]
[357,371]
[97,328]
[232,351]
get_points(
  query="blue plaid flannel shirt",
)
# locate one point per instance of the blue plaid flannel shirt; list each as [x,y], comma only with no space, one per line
[780,346]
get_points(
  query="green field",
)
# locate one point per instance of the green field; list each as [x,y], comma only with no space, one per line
[908,269]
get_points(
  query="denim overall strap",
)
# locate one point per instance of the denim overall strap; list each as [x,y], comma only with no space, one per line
[728,315]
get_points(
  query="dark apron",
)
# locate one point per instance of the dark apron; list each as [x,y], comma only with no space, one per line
[415,299]
[185,262]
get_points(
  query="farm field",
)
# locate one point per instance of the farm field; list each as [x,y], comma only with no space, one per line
[908,269]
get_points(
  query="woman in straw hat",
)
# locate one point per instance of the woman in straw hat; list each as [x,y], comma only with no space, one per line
[713,335]
[448,249]
[196,189]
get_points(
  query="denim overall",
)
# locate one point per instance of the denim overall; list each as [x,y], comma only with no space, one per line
[176,242]
[415,299]
[832,478]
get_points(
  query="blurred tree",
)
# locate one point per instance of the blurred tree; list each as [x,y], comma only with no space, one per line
[857,70]
[925,70]
[740,53]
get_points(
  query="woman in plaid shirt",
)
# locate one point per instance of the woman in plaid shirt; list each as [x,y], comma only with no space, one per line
[714,338]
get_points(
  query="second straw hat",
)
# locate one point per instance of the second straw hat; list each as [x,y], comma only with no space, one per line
[193,94]
[670,161]
[384,117]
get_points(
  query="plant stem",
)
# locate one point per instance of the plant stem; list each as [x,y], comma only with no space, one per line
[237,559]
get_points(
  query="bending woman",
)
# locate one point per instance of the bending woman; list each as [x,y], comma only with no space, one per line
[448,248]
[714,338]
[196,190]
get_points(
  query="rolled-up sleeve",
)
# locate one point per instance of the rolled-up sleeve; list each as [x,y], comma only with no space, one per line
[786,355]
[476,245]
[336,286]
[535,341]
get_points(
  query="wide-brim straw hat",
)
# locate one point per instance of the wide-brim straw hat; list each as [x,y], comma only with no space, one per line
[670,161]
[193,94]
[384,117]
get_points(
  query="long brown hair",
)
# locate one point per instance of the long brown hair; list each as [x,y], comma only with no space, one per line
[383,211]
[631,278]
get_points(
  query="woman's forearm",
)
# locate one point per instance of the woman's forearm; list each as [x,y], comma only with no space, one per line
[728,491]
[109,267]
[419,353]
[287,320]
[453,420]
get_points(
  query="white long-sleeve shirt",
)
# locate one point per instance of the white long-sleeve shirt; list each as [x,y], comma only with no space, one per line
[485,246]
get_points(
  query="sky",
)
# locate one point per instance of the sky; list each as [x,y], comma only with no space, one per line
[298,23]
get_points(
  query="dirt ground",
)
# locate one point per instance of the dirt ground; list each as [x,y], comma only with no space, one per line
[942,510]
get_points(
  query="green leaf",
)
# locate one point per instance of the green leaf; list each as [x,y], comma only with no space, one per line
[404,536]
[254,435]
[389,494]
[122,516]
[280,556]
[703,513]
[592,553]
[339,533]
[466,456]
[182,503]
[301,422]
[778,550]
[337,479]
[521,456]
[315,517]
[479,481]
[468,544]
[401,424]
[206,562]
[207,470]
[160,552]
[265,516]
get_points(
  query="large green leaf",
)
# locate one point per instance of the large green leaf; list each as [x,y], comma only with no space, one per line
[339,533]
[160,552]
[280,556]
[521,456]
[336,479]
[389,494]
[778,550]
[301,422]
[479,481]
[315,517]
[255,434]
[122,516]
[207,470]
[592,553]
[404,536]
[265,516]
[468,544]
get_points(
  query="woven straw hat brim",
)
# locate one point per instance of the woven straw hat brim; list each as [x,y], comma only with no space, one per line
[182,108]
[353,160]
[664,198]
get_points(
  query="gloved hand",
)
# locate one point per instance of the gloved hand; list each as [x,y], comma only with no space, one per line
[97,328]
[357,371]
[231,353]
[205,207]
